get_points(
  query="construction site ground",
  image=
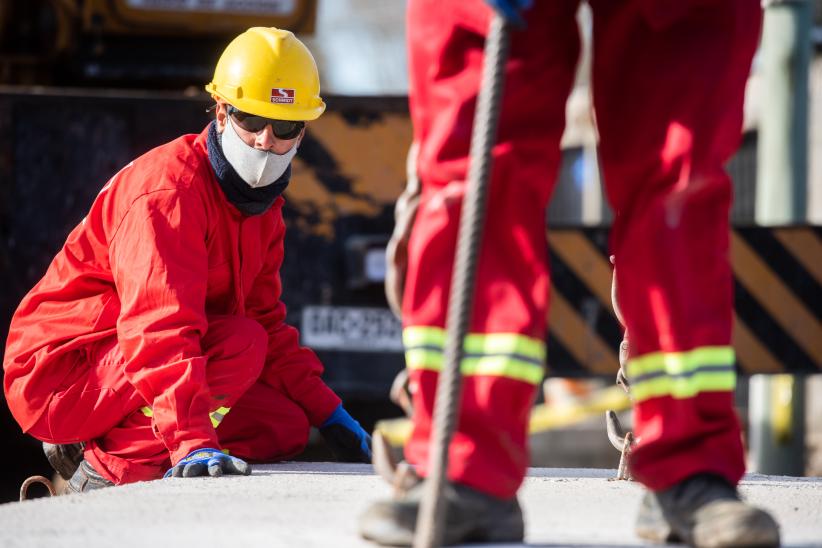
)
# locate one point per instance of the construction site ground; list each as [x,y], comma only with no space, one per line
[318,504]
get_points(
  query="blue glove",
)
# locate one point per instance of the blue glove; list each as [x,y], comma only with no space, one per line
[208,462]
[511,10]
[345,437]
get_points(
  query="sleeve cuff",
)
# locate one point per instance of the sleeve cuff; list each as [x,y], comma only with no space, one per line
[319,403]
[187,446]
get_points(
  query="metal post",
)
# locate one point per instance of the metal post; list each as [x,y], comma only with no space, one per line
[782,153]
[777,425]
[776,404]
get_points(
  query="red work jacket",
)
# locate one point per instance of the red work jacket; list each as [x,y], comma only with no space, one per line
[160,250]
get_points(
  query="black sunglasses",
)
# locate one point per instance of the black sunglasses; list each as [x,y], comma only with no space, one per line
[283,129]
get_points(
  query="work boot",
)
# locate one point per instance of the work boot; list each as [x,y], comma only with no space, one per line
[704,511]
[64,458]
[85,479]
[471,516]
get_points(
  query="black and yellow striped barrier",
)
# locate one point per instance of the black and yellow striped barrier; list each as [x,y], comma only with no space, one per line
[778,295]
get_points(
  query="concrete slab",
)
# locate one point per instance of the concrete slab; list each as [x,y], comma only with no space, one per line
[317,504]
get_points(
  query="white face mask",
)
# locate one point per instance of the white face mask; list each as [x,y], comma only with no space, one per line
[256,167]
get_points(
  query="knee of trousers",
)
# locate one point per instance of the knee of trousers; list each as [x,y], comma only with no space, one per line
[239,340]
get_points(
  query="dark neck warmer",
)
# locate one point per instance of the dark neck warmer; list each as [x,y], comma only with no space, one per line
[249,200]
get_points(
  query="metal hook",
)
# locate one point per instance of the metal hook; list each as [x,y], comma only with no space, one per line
[621,440]
[400,475]
[36,479]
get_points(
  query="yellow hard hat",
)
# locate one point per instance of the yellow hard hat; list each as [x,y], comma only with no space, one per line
[270,73]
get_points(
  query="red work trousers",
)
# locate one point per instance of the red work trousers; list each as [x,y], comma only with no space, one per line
[98,405]
[668,86]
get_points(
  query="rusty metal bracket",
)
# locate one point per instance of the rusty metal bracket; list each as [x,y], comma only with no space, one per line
[621,379]
[622,441]
[24,489]
[400,475]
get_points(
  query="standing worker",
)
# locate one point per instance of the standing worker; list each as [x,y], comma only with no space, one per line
[156,342]
[668,86]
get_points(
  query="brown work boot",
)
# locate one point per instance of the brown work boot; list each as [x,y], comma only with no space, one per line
[64,458]
[471,516]
[85,479]
[705,511]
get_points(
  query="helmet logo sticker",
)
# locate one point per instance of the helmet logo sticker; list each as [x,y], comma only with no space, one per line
[282,95]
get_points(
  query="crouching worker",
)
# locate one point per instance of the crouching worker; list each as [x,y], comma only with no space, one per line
[155,344]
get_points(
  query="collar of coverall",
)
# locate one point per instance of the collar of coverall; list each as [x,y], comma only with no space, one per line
[249,200]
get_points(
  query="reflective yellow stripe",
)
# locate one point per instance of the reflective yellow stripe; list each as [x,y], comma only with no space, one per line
[684,387]
[423,336]
[215,416]
[496,354]
[218,416]
[675,363]
[502,366]
[505,343]
[424,359]
[476,343]
[682,374]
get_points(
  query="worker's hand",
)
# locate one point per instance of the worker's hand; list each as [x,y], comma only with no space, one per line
[208,462]
[345,437]
[511,10]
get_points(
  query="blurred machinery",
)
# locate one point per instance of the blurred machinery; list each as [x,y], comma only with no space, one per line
[159,43]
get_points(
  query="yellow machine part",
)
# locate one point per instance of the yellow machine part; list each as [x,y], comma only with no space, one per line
[195,17]
[782,394]
[543,417]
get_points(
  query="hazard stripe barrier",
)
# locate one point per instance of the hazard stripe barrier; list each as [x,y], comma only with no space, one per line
[586,346]
[778,291]
[585,261]
[750,350]
[805,246]
[584,334]
[776,297]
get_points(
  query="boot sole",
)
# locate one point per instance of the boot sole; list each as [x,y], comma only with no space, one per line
[758,530]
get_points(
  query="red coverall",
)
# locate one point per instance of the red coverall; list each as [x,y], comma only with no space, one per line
[160,317]
[668,83]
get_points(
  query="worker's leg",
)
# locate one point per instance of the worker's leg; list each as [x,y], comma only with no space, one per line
[668,92]
[505,345]
[264,426]
[131,451]
[93,397]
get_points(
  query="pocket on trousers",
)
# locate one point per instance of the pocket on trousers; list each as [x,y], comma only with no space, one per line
[82,414]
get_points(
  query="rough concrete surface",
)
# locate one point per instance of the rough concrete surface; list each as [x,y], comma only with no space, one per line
[317,504]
